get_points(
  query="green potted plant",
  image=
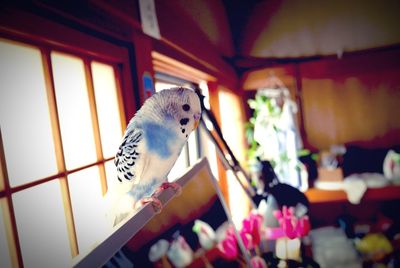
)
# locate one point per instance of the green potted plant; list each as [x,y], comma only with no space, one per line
[272,135]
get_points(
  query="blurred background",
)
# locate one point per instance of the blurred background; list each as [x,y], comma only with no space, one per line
[310,87]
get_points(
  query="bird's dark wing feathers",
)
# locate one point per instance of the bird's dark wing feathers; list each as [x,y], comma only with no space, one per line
[127,155]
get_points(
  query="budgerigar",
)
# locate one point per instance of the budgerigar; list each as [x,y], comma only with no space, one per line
[152,143]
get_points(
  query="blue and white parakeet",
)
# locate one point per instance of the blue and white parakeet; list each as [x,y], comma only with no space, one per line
[152,143]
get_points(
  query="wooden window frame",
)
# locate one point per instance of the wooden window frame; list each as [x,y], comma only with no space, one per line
[55,37]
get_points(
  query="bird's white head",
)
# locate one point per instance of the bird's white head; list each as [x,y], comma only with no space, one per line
[179,104]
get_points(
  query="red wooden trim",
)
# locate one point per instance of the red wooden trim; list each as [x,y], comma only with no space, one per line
[315,195]
[222,176]
[190,43]
[69,216]
[112,17]
[118,82]
[95,122]
[352,65]
[56,176]
[171,66]
[112,8]
[144,64]
[224,73]
[128,96]
[23,26]
[299,101]
[255,63]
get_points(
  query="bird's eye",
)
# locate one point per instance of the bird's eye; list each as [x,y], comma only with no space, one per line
[186,107]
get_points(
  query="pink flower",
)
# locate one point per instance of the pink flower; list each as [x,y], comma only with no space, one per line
[228,246]
[287,221]
[290,225]
[252,226]
[247,239]
[303,226]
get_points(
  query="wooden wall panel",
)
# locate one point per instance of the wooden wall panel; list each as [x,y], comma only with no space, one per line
[190,45]
[352,101]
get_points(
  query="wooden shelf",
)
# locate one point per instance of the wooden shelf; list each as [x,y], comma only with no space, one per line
[119,236]
[315,195]
[125,230]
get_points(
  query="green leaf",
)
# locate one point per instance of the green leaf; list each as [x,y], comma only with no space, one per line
[252,104]
[303,152]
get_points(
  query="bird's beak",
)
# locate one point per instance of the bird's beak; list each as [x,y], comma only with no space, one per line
[196,120]
[196,123]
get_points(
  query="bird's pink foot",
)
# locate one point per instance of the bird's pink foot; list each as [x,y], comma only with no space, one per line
[165,185]
[155,202]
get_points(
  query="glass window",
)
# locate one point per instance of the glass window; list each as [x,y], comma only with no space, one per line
[73,110]
[105,90]
[24,114]
[42,227]
[86,199]
[61,121]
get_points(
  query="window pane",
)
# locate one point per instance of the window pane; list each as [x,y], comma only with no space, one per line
[5,260]
[105,91]
[42,228]
[24,114]
[86,199]
[161,85]
[73,110]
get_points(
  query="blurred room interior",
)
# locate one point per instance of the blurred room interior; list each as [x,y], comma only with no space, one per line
[310,89]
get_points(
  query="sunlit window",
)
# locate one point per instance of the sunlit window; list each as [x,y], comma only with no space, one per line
[162,85]
[105,90]
[42,227]
[73,110]
[86,198]
[24,114]
[61,123]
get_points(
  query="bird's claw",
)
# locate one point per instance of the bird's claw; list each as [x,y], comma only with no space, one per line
[165,185]
[155,202]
